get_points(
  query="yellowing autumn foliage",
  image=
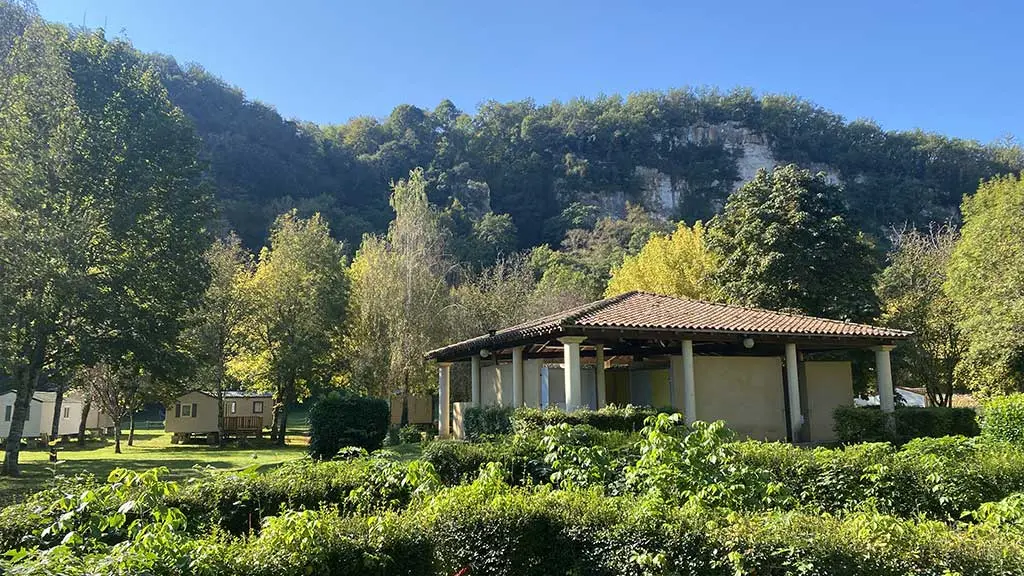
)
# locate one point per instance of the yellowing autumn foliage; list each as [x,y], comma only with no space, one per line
[677,264]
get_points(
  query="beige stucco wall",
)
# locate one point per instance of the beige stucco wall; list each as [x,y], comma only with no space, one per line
[746,392]
[531,382]
[204,423]
[458,416]
[829,385]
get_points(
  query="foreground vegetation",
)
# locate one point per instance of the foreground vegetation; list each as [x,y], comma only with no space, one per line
[564,499]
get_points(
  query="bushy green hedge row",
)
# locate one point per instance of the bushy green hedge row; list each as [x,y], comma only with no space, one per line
[608,419]
[1004,418]
[940,478]
[869,424]
[489,529]
[339,420]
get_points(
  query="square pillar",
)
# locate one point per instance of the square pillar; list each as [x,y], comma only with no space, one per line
[796,419]
[517,376]
[573,377]
[689,389]
[474,379]
[602,392]
[883,377]
[444,406]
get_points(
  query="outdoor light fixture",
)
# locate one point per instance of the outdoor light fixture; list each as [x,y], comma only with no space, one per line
[485,353]
[748,342]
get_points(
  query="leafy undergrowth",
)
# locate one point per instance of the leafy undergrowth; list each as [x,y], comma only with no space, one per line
[565,500]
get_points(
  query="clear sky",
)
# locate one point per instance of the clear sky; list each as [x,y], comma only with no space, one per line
[946,66]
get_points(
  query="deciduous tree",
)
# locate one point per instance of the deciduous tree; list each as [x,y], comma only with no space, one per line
[296,302]
[986,282]
[911,292]
[679,264]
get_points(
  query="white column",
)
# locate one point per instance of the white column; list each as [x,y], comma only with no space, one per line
[474,379]
[793,389]
[444,405]
[517,376]
[573,378]
[883,376]
[602,392]
[689,390]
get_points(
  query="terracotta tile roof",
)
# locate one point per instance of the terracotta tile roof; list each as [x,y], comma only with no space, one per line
[644,311]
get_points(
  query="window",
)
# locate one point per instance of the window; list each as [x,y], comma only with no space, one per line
[7,413]
[257,407]
[233,406]
[195,409]
[186,410]
[67,412]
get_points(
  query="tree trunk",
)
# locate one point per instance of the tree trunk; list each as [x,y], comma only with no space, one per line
[131,429]
[117,437]
[58,403]
[85,419]
[26,378]
[284,425]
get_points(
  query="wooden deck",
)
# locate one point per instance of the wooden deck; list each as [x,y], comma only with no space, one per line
[243,423]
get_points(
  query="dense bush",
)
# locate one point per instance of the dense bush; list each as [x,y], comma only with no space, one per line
[1003,418]
[457,461]
[487,421]
[869,424]
[339,420]
[610,418]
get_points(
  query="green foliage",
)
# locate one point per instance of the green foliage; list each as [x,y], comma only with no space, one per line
[699,465]
[456,461]
[487,421]
[982,284]
[574,460]
[678,265]
[855,424]
[339,420]
[786,244]
[610,418]
[910,289]
[297,300]
[1003,418]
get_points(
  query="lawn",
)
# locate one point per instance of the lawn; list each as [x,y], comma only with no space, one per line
[152,448]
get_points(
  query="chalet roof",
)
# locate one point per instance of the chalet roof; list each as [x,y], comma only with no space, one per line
[645,312]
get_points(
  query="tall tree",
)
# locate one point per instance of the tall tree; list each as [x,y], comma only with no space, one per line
[102,215]
[212,337]
[297,299]
[785,244]
[986,281]
[400,295]
[679,264]
[911,292]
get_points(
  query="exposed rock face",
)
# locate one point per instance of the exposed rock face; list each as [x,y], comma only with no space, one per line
[665,195]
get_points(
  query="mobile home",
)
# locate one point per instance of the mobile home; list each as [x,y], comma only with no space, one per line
[195,414]
[32,425]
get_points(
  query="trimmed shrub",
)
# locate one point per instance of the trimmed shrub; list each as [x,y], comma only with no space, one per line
[338,420]
[458,461]
[487,421]
[869,424]
[1003,418]
[610,418]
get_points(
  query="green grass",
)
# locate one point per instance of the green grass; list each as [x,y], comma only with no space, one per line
[152,448]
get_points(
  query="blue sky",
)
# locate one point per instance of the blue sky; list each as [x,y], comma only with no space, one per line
[945,66]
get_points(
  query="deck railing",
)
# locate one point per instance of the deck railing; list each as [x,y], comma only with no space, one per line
[243,423]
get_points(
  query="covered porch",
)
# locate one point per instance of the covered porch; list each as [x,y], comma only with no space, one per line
[769,375]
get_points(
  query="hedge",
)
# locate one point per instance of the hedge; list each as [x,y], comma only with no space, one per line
[339,420]
[488,529]
[1003,418]
[869,424]
[610,418]
[481,422]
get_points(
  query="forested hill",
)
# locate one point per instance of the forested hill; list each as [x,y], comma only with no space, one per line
[558,166]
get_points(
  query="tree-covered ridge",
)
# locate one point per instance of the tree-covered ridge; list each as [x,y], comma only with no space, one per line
[543,164]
